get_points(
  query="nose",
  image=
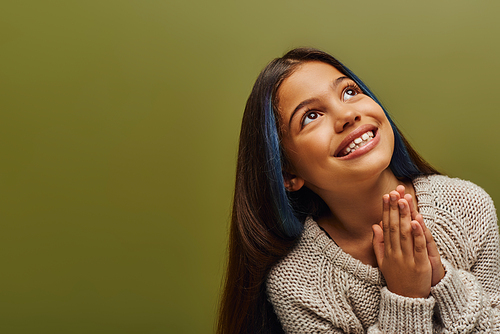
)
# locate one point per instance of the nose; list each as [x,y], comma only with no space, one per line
[345,119]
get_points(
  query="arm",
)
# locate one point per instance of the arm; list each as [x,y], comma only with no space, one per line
[468,298]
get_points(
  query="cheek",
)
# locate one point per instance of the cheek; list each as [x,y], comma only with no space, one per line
[391,138]
[390,133]
[309,158]
[316,145]
[389,146]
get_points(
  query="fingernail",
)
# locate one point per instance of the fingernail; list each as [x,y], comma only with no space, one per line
[413,226]
[393,197]
[386,199]
[401,205]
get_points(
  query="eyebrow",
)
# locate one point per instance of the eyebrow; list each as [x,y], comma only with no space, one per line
[304,103]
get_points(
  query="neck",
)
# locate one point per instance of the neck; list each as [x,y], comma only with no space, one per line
[357,208]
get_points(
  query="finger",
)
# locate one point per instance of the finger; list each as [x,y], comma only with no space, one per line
[378,243]
[420,219]
[405,229]
[432,249]
[434,258]
[394,230]
[385,221]
[431,245]
[412,204]
[401,190]
[419,244]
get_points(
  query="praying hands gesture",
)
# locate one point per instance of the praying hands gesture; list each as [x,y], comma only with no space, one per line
[405,250]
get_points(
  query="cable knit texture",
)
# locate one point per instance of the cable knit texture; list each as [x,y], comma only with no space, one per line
[318,288]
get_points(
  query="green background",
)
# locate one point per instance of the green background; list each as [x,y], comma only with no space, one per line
[119,128]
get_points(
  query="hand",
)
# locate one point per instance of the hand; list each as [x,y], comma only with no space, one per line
[434,257]
[401,249]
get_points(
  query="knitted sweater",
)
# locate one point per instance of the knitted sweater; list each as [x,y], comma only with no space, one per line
[318,288]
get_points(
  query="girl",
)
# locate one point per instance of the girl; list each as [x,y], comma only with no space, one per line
[338,225]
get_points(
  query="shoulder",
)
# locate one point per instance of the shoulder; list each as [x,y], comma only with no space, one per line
[300,276]
[461,187]
[460,215]
[445,182]
[460,196]
[307,288]
[297,267]
[294,283]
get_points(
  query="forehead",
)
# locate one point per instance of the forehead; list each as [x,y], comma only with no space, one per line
[309,80]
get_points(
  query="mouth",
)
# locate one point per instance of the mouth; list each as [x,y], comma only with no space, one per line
[356,143]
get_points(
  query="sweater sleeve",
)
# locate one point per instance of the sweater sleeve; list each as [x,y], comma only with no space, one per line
[302,311]
[468,299]
[400,314]
[308,301]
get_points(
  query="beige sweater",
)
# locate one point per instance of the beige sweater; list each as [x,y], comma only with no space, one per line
[318,288]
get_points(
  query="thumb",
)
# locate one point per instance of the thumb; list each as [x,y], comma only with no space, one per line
[378,243]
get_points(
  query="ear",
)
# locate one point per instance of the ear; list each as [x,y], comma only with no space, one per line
[292,181]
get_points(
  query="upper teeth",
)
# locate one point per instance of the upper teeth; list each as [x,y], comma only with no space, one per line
[358,142]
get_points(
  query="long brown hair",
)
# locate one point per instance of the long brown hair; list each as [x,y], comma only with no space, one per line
[257,239]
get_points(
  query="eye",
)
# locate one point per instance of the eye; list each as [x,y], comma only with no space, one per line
[309,117]
[350,92]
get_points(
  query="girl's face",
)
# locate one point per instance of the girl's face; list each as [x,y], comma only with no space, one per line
[334,135]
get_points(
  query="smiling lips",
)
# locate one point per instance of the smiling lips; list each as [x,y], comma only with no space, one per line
[357,143]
